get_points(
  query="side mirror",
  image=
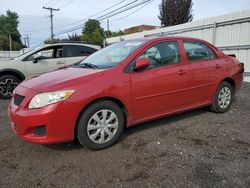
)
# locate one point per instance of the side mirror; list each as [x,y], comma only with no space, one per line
[36,58]
[142,63]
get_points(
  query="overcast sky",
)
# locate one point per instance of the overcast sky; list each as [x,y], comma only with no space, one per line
[34,20]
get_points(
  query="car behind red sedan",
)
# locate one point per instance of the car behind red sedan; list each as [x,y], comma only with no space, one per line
[124,84]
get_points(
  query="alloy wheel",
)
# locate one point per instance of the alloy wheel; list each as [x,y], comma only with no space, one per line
[102,126]
[224,97]
[7,86]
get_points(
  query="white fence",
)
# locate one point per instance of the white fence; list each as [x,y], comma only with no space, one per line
[231,33]
[6,55]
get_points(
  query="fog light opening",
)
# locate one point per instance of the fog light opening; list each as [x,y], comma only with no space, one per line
[40,130]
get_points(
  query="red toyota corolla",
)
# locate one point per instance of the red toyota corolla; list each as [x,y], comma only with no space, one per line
[121,85]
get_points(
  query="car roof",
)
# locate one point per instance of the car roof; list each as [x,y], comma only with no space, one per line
[72,44]
[156,38]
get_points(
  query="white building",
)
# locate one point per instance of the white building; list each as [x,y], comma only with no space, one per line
[230,33]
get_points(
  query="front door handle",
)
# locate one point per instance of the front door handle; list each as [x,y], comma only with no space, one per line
[218,66]
[181,72]
[59,62]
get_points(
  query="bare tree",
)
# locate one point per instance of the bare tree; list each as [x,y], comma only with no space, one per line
[174,12]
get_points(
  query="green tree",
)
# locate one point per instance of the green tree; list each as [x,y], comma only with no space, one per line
[174,12]
[113,33]
[74,37]
[9,24]
[92,32]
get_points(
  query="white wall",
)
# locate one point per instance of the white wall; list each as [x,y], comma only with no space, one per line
[6,55]
[231,34]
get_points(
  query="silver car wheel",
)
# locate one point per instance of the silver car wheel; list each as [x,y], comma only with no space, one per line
[7,86]
[102,126]
[224,97]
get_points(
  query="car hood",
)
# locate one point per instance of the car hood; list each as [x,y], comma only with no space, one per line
[8,63]
[58,79]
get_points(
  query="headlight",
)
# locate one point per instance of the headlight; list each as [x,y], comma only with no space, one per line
[44,99]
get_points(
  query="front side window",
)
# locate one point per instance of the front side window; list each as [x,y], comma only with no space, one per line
[46,53]
[198,51]
[164,53]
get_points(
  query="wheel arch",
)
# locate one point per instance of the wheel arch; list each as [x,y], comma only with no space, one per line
[13,72]
[108,98]
[230,81]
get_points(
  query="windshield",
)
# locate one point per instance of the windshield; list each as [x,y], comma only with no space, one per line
[25,54]
[113,54]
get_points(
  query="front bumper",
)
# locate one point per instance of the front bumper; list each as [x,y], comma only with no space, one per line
[57,119]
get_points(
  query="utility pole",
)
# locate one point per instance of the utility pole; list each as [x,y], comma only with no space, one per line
[51,18]
[108,25]
[10,42]
[24,40]
[28,41]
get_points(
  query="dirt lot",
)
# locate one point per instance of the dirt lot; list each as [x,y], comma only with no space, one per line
[193,149]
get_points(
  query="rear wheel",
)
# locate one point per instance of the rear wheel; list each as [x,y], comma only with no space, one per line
[100,125]
[223,98]
[7,85]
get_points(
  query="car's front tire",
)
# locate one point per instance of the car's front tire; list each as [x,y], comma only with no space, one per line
[7,85]
[223,98]
[100,125]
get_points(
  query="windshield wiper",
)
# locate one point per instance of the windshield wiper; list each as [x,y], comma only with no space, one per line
[89,65]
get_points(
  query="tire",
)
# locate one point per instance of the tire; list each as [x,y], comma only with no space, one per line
[223,98]
[97,136]
[7,85]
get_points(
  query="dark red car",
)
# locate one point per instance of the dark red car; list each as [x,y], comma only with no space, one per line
[121,85]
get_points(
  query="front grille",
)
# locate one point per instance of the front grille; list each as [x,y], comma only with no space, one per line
[18,99]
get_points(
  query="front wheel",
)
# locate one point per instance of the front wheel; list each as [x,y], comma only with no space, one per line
[223,98]
[100,125]
[7,85]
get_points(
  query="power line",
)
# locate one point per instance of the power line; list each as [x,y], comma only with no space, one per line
[105,17]
[55,2]
[120,2]
[51,18]
[124,10]
[37,23]
[26,41]
[66,4]
[133,12]
[117,9]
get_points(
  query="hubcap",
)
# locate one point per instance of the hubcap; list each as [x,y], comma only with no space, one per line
[7,86]
[102,126]
[224,98]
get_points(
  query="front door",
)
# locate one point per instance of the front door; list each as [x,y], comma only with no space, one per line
[49,59]
[160,88]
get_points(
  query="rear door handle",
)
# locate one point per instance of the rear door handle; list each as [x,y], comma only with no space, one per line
[181,72]
[217,66]
[59,62]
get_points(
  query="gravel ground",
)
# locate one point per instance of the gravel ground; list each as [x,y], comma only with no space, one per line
[193,149]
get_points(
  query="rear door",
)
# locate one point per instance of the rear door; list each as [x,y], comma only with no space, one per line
[160,88]
[206,71]
[50,59]
[75,53]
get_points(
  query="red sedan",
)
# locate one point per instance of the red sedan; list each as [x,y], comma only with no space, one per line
[121,85]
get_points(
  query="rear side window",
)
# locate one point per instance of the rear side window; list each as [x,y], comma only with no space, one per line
[198,51]
[73,51]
